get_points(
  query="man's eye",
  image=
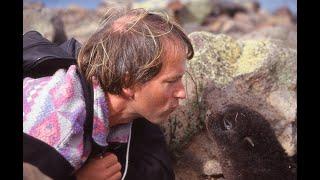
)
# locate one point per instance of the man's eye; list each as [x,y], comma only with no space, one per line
[172,81]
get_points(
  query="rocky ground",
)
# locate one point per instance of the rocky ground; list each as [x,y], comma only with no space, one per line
[243,55]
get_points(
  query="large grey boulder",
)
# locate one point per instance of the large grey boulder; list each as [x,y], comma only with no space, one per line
[258,73]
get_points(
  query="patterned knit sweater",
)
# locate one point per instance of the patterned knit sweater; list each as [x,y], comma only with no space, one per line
[54,112]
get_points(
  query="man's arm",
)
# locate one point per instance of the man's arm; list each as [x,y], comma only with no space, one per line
[101,168]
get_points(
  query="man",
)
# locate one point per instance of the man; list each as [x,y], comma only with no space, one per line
[140,59]
[135,62]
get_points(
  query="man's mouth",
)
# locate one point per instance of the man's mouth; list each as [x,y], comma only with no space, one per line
[173,108]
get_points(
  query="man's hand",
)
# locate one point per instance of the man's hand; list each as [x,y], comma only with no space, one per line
[103,168]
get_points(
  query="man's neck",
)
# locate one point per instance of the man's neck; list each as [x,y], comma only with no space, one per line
[119,111]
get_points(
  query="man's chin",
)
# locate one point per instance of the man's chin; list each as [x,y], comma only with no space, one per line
[159,120]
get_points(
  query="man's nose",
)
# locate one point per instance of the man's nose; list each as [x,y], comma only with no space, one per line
[180,92]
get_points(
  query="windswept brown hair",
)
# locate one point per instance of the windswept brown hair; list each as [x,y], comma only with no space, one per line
[128,48]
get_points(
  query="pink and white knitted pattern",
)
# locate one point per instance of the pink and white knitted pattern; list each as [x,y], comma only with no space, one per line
[54,112]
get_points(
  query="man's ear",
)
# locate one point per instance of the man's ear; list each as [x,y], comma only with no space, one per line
[128,93]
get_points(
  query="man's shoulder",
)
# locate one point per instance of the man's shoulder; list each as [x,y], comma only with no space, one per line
[144,127]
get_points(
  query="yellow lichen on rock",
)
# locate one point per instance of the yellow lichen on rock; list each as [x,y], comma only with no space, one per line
[252,57]
[214,57]
[226,47]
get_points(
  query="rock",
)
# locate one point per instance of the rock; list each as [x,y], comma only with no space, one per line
[228,8]
[32,5]
[260,74]
[75,14]
[243,18]
[105,5]
[31,172]
[150,4]
[215,23]
[76,9]
[80,23]
[82,31]
[181,13]
[280,18]
[197,159]
[186,120]
[175,5]
[234,26]
[210,61]
[55,24]
[212,167]
[286,102]
[288,139]
[245,22]
[249,19]
[59,35]
[191,27]
[288,35]
[228,26]
[39,20]
[260,17]
[252,6]
[241,23]
[200,9]
[190,11]
[284,11]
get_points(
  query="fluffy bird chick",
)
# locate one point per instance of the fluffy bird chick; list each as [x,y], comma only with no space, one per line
[247,147]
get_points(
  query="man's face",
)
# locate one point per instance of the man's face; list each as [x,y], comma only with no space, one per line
[158,98]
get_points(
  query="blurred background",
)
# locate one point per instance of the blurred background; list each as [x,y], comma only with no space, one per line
[79,18]
[269,5]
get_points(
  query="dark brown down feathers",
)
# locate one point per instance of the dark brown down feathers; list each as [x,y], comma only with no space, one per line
[247,146]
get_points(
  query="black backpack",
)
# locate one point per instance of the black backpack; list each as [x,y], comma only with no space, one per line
[149,158]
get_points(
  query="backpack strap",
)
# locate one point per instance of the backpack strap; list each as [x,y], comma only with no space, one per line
[88,95]
[72,47]
[48,160]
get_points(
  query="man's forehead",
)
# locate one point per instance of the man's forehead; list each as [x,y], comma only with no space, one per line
[174,50]
[174,66]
